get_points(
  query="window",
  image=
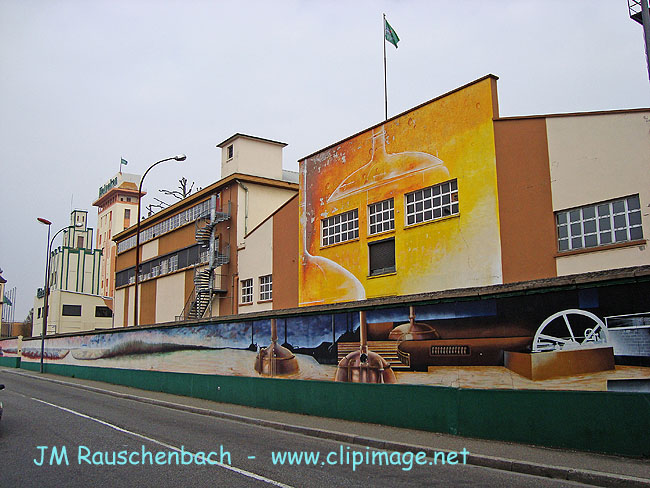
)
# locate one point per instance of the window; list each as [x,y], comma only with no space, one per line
[71,310]
[382,257]
[101,311]
[266,287]
[381,217]
[599,224]
[127,213]
[340,228]
[40,309]
[80,242]
[230,152]
[247,291]
[432,203]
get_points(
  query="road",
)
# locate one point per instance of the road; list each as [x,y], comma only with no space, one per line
[95,429]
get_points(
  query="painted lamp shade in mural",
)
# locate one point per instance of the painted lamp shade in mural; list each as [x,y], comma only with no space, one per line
[275,360]
[364,366]
[384,168]
[413,331]
[569,330]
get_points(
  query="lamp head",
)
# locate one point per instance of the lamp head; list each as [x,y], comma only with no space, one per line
[180,157]
[44,221]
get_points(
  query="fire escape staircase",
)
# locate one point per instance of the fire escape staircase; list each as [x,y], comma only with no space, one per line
[207,284]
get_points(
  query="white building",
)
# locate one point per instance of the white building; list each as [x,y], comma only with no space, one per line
[75,302]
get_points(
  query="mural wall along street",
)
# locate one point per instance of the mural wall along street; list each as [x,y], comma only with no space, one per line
[421,187]
[459,343]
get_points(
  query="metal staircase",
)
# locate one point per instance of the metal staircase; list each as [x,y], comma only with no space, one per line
[386,349]
[207,284]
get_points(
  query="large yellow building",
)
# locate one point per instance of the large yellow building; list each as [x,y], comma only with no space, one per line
[449,195]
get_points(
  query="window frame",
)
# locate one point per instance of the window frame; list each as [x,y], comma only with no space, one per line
[378,210]
[598,225]
[246,293]
[385,270]
[266,288]
[426,199]
[329,226]
[68,312]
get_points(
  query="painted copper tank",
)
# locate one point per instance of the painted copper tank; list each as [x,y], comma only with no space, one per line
[364,366]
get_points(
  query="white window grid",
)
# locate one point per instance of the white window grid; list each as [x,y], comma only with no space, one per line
[599,224]
[381,216]
[432,203]
[266,287]
[167,225]
[247,291]
[340,228]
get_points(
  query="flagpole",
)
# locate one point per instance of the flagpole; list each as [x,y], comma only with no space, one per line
[385,86]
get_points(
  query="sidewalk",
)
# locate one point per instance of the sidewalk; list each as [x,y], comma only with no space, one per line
[584,467]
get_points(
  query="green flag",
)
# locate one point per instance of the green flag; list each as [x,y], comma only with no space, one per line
[7,301]
[124,161]
[390,34]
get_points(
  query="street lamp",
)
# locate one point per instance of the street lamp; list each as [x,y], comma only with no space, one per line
[47,278]
[47,285]
[180,157]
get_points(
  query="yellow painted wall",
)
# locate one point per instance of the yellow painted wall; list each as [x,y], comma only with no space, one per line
[449,138]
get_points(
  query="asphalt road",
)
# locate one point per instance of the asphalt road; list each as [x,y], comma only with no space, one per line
[94,430]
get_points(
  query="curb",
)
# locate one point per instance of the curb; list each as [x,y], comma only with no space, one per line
[595,478]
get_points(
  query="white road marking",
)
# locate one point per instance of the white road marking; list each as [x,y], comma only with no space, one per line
[164,444]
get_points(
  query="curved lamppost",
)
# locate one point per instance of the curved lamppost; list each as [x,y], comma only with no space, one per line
[180,157]
[47,279]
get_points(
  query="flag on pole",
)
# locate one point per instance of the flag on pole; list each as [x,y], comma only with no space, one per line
[123,161]
[390,34]
[7,301]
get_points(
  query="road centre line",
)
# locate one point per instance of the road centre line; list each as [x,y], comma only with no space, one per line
[168,446]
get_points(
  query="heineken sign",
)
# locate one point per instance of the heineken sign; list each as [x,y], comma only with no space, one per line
[104,189]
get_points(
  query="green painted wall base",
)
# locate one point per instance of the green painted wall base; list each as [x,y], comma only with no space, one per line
[608,422]
[10,362]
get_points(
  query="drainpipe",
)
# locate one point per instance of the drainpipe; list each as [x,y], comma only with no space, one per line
[245,188]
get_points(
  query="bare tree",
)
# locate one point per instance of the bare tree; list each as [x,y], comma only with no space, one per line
[182,191]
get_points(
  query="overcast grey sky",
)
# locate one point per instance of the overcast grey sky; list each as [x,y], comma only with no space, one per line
[84,83]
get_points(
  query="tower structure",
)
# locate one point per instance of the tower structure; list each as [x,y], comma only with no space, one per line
[117,207]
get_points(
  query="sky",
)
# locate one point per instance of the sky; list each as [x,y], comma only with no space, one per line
[86,83]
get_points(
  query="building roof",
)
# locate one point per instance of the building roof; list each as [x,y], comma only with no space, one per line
[254,138]
[200,196]
[576,114]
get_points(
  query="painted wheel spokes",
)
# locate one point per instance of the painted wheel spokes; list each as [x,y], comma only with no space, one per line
[549,338]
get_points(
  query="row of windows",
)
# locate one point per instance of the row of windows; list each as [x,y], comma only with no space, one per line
[425,205]
[75,311]
[600,224]
[186,216]
[265,287]
[164,265]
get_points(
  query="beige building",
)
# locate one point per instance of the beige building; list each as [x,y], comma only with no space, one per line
[72,312]
[117,207]
[190,252]
[600,185]
[75,302]
[270,253]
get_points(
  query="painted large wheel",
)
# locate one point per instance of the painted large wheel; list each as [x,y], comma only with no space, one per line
[568,330]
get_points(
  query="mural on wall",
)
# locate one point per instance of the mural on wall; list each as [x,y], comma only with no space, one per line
[9,348]
[425,183]
[478,343]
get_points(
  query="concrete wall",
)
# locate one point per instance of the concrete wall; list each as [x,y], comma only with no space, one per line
[255,260]
[594,158]
[252,157]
